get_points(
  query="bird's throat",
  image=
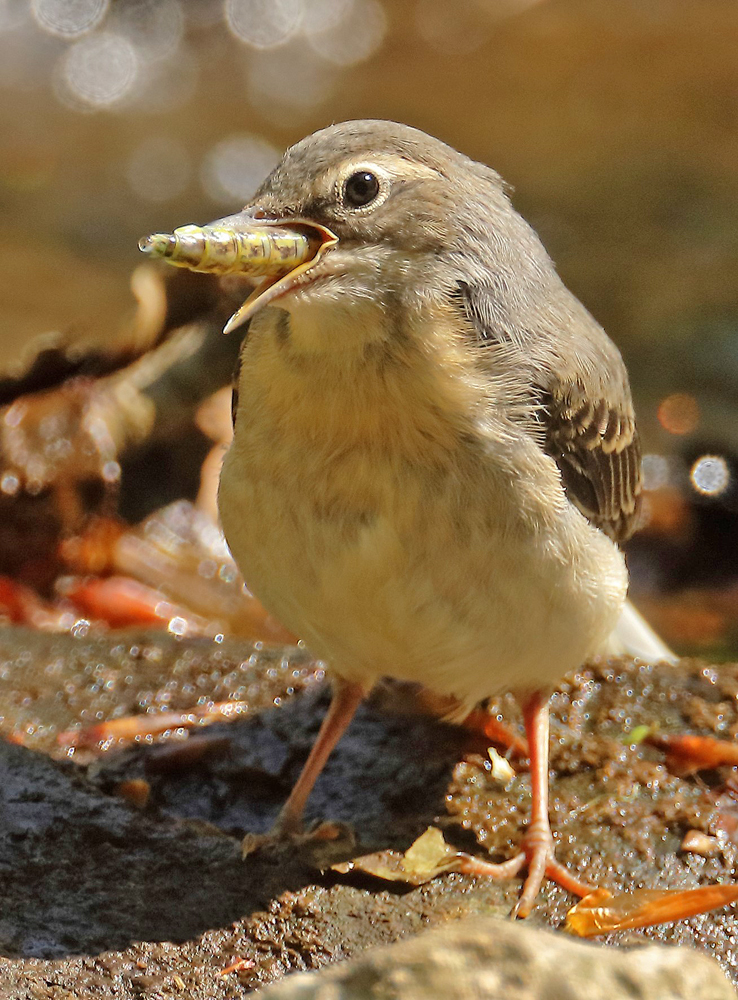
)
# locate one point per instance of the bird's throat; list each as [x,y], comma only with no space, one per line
[336,380]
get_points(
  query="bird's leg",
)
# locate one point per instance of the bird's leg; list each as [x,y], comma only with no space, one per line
[346,699]
[538,843]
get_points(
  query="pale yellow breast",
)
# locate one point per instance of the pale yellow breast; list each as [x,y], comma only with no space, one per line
[377,514]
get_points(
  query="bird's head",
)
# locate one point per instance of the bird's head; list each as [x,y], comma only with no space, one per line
[410,215]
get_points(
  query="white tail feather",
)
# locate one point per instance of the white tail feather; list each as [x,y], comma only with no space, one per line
[633,636]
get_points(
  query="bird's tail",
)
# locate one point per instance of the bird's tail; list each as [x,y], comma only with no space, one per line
[633,636]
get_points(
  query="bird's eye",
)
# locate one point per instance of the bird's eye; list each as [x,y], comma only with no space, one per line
[360,189]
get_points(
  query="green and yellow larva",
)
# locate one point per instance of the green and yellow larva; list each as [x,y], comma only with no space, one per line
[259,252]
[278,254]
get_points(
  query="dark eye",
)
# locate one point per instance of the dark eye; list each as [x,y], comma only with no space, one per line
[361,188]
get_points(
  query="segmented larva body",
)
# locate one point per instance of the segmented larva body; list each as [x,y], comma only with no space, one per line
[218,250]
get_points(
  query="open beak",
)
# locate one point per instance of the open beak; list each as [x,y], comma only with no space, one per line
[281,253]
[290,270]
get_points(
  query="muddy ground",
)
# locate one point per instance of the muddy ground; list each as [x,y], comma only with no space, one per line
[102,898]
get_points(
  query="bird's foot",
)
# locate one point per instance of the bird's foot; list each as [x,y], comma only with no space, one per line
[539,853]
[325,842]
[539,856]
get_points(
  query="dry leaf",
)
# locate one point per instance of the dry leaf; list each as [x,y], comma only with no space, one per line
[426,857]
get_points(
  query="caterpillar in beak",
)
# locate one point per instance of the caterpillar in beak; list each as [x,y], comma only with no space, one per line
[240,245]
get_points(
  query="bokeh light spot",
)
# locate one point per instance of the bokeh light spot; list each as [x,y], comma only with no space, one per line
[10,483]
[323,15]
[263,24]
[710,475]
[278,94]
[166,84]
[345,32]
[154,27]
[111,471]
[235,166]
[177,625]
[100,69]
[655,472]
[679,413]
[69,18]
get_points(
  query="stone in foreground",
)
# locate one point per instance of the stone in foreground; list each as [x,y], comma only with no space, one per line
[492,959]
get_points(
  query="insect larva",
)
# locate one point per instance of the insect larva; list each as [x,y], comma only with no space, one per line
[259,252]
[281,255]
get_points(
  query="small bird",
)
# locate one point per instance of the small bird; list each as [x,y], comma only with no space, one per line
[435,454]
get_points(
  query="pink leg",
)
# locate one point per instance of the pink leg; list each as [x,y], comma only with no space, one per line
[538,844]
[346,698]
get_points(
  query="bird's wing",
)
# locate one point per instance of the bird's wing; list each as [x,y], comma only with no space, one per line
[581,402]
[595,444]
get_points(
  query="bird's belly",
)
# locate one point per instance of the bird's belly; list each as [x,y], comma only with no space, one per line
[466,610]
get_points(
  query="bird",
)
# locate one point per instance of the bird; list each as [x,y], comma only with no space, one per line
[435,458]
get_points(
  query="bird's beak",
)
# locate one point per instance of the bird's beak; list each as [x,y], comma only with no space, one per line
[279,252]
[290,268]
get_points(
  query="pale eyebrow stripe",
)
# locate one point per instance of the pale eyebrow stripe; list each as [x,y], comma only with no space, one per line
[420,169]
[400,164]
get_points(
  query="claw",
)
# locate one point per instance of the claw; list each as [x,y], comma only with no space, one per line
[538,854]
[542,864]
[538,849]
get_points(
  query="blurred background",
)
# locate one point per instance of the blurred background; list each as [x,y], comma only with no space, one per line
[615,121]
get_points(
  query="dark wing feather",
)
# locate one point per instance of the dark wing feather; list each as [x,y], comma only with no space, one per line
[580,398]
[596,447]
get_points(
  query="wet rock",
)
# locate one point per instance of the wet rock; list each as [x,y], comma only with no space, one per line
[489,959]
